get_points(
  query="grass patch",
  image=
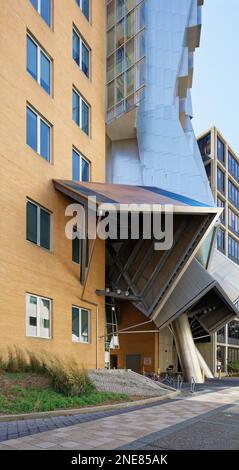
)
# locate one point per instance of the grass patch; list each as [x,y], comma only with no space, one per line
[18,399]
[37,383]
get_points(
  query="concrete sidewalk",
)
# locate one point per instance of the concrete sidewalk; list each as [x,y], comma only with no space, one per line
[132,429]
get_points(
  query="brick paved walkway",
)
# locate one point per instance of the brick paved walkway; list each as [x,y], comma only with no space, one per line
[130,429]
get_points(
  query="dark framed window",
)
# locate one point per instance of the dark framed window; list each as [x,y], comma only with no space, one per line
[75,247]
[233,332]
[233,166]
[81,53]
[44,8]
[233,354]
[233,221]
[221,240]
[80,112]
[205,145]
[233,194]
[80,167]
[38,64]
[220,181]
[85,7]
[38,134]
[220,150]
[221,335]
[38,230]
[233,249]
[221,203]
[80,325]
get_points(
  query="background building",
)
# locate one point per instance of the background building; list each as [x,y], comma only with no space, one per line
[222,167]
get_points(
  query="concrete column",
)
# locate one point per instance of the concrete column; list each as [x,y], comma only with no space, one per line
[186,349]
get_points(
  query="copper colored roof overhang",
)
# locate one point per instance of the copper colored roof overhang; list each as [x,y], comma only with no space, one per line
[150,275]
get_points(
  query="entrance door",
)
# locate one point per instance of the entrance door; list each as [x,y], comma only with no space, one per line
[113,361]
[133,362]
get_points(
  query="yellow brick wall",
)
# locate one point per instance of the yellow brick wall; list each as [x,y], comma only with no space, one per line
[23,266]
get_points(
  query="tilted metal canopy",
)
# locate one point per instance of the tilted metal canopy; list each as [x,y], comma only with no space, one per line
[134,265]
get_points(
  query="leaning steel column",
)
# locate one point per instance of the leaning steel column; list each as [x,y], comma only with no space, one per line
[186,349]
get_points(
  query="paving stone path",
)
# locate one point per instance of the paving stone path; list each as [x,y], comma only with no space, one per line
[166,425]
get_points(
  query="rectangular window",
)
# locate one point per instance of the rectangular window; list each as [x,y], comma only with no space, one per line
[81,53]
[221,240]
[85,7]
[80,112]
[233,221]
[221,203]
[205,146]
[38,134]
[38,225]
[80,167]
[38,64]
[80,325]
[220,181]
[76,247]
[233,194]
[233,249]
[38,316]
[220,150]
[233,167]
[43,7]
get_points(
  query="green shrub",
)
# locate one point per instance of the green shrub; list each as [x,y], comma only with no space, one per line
[233,366]
[65,376]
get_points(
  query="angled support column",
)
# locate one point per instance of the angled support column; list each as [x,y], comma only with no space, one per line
[186,349]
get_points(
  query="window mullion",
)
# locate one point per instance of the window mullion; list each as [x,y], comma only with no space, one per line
[38,134]
[80,324]
[80,109]
[80,52]
[39,6]
[38,65]
[38,316]
[80,175]
[38,226]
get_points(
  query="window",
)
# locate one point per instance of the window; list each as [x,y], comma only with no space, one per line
[38,134]
[81,53]
[233,166]
[80,167]
[233,332]
[126,69]
[85,7]
[233,221]
[38,64]
[38,316]
[221,240]
[221,335]
[220,181]
[233,194]
[80,112]
[38,225]
[76,247]
[43,7]
[221,203]
[220,150]
[80,325]
[233,249]
[221,358]
[233,354]
[205,145]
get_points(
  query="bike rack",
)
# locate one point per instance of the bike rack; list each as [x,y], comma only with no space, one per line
[179,383]
[193,385]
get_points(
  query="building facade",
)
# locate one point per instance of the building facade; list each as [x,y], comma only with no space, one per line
[87,297]
[52,126]
[222,167]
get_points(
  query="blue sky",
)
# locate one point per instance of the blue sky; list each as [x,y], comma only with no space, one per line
[216,71]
